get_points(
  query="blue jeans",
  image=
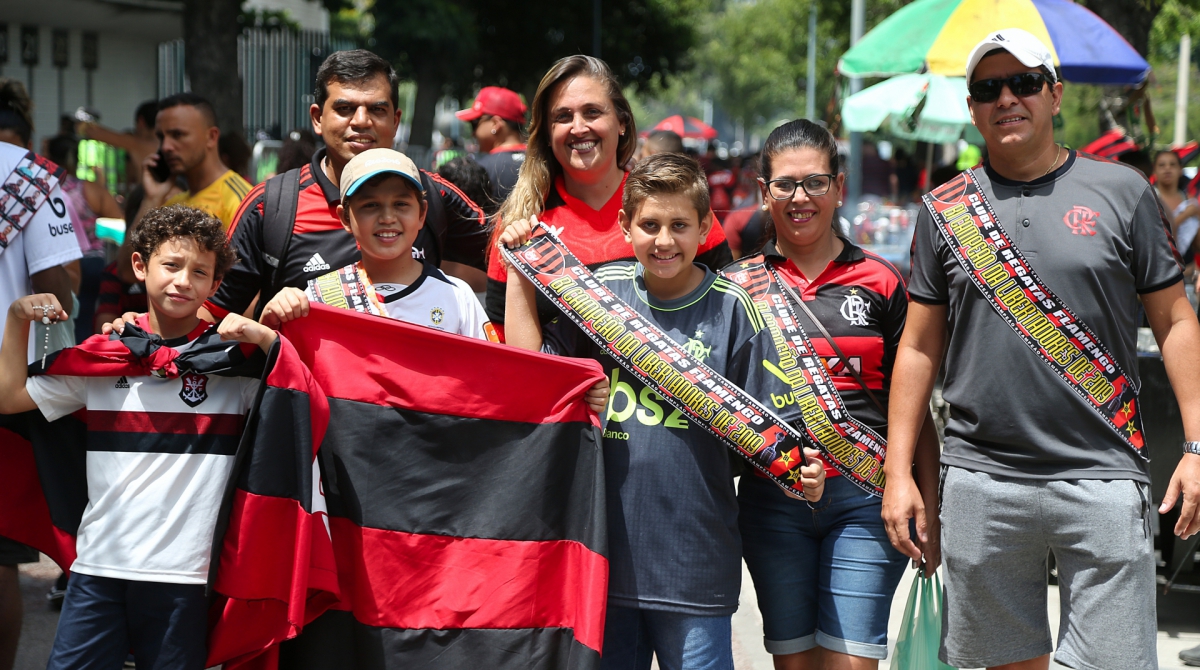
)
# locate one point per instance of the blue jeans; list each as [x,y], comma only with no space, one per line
[166,625]
[680,641]
[824,576]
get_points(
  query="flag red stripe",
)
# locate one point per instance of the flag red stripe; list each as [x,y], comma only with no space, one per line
[418,581]
[170,423]
[26,516]
[276,574]
[430,371]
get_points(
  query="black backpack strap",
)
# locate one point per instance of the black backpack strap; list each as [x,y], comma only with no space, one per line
[281,196]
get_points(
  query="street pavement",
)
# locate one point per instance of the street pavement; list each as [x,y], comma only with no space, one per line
[1178,622]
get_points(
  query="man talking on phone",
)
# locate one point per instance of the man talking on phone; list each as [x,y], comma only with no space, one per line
[186,127]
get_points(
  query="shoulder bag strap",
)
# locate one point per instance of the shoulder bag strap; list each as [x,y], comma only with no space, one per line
[833,343]
[280,203]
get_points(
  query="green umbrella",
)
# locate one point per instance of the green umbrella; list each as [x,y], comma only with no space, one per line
[924,107]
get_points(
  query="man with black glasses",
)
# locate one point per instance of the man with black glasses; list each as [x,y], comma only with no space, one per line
[1028,273]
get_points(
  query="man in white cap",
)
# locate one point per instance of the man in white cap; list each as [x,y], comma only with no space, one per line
[1027,272]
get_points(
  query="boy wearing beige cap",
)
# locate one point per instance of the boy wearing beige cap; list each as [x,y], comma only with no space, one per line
[384,208]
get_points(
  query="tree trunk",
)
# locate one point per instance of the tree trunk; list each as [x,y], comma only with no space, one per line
[429,89]
[210,32]
[1131,19]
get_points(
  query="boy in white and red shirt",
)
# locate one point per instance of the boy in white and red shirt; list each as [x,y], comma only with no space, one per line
[159,452]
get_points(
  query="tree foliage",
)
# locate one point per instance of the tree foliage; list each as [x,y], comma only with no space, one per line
[456,46]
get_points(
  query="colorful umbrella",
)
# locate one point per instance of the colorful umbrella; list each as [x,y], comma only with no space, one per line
[689,127]
[925,107]
[939,34]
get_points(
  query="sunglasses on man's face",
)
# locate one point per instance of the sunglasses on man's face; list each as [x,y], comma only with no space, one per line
[1022,85]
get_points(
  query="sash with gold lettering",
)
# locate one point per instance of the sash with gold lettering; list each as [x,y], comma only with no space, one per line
[743,424]
[347,288]
[23,193]
[962,214]
[851,447]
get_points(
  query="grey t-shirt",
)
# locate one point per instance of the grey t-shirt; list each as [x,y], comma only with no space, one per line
[1094,232]
[673,541]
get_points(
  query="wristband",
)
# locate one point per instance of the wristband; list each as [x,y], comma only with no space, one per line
[1191,448]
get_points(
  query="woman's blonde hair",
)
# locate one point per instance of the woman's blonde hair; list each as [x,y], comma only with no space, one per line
[528,197]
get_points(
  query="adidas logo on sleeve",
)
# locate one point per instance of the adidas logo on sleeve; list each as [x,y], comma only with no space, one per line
[316,264]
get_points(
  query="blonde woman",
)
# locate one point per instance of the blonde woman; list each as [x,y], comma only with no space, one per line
[581,135]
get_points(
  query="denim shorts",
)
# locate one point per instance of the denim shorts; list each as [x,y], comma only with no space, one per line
[824,575]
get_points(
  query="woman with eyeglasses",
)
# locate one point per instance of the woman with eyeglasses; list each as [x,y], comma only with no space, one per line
[825,572]
[582,138]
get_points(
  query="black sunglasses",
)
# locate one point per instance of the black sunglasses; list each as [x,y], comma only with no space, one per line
[1021,85]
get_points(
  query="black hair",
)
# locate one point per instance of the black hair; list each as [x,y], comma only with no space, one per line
[666,141]
[16,109]
[297,150]
[355,65]
[162,224]
[133,202]
[235,152]
[798,134]
[1159,154]
[472,180]
[147,113]
[60,149]
[191,100]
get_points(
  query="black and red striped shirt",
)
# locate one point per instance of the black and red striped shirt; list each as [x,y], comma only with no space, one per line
[861,300]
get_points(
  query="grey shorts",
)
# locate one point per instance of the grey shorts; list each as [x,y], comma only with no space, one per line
[14,553]
[996,533]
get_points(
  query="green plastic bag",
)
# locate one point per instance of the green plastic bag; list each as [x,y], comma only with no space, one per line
[921,629]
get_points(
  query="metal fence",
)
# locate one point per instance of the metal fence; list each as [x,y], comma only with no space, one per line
[278,69]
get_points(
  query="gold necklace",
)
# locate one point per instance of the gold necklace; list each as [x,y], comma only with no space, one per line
[1057,153]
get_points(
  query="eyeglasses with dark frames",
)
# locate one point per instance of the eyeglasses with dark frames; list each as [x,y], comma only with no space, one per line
[814,185]
[1022,85]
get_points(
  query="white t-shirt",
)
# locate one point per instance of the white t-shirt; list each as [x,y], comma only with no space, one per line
[434,300]
[158,457]
[47,240]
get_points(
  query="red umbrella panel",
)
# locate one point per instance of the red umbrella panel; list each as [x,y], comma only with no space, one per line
[687,126]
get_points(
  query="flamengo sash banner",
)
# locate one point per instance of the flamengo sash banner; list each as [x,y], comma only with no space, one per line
[764,440]
[347,289]
[852,448]
[23,193]
[967,220]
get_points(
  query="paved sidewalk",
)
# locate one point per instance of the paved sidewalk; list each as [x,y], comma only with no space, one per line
[1178,620]
[1178,623]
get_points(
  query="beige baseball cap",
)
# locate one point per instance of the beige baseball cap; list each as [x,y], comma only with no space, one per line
[377,161]
[1020,43]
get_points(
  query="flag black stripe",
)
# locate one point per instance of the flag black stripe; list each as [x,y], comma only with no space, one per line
[416,472]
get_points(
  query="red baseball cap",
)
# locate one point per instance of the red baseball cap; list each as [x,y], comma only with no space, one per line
[496,101]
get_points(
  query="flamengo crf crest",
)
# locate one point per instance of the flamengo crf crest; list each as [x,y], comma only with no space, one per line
[195,389]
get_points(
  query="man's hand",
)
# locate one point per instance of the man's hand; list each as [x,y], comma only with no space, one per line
[156,191]
[38,307]
[597,396]
[1186,480]
[290,303]
[902,501]
[118,325]
[238,328]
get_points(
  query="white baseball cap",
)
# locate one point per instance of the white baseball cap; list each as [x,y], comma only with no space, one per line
[1020,43]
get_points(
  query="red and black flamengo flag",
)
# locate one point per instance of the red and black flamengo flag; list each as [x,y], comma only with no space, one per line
[464,482]
[1110,145]
[276,558]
